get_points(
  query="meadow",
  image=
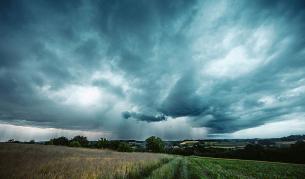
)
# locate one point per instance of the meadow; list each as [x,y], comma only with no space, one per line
[47,161]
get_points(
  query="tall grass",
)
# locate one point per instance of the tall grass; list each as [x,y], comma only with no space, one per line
[176,168]
[145,169]
[39,161]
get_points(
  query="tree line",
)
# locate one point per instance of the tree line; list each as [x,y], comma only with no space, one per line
[295,153]
[152,144]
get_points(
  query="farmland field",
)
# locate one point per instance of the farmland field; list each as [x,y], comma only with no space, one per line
[41,161]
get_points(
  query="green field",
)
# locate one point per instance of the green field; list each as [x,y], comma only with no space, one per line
[41,161]
[202,167]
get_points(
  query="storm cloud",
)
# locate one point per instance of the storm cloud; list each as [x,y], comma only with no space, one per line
[143,117]
[133,68]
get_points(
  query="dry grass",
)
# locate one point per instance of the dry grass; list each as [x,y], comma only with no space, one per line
[39,161]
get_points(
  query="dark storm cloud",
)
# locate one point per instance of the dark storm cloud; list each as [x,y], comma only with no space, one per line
[182,99]
[226,66]
[143,117]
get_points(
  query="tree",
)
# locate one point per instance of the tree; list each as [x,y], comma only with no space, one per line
[12,141]
[154,144]
[102,143]
[82,140]
[59,141]
[74,144]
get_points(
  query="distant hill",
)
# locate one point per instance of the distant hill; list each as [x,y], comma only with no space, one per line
[293,138]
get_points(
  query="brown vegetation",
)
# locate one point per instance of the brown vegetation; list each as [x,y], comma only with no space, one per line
[41,161]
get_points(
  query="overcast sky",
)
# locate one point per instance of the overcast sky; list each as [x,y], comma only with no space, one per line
[135,68]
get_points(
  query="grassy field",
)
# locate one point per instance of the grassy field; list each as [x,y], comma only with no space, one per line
[39,161]
[46,161]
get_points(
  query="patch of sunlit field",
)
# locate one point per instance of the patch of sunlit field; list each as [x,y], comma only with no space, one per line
[45,161]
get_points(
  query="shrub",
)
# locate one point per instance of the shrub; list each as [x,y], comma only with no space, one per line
[74,144]
[124,147]
[114,144]
[102,143]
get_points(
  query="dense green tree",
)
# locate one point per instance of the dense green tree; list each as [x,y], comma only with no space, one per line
[83,141]
[102,143]
[59,141]
[154,144]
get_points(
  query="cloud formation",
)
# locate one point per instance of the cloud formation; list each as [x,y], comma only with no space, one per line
[143,117]
[134,67]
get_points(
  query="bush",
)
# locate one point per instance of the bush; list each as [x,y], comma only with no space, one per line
[74,144]
[114,144]
[124,147]
[50,142]
[102,143]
